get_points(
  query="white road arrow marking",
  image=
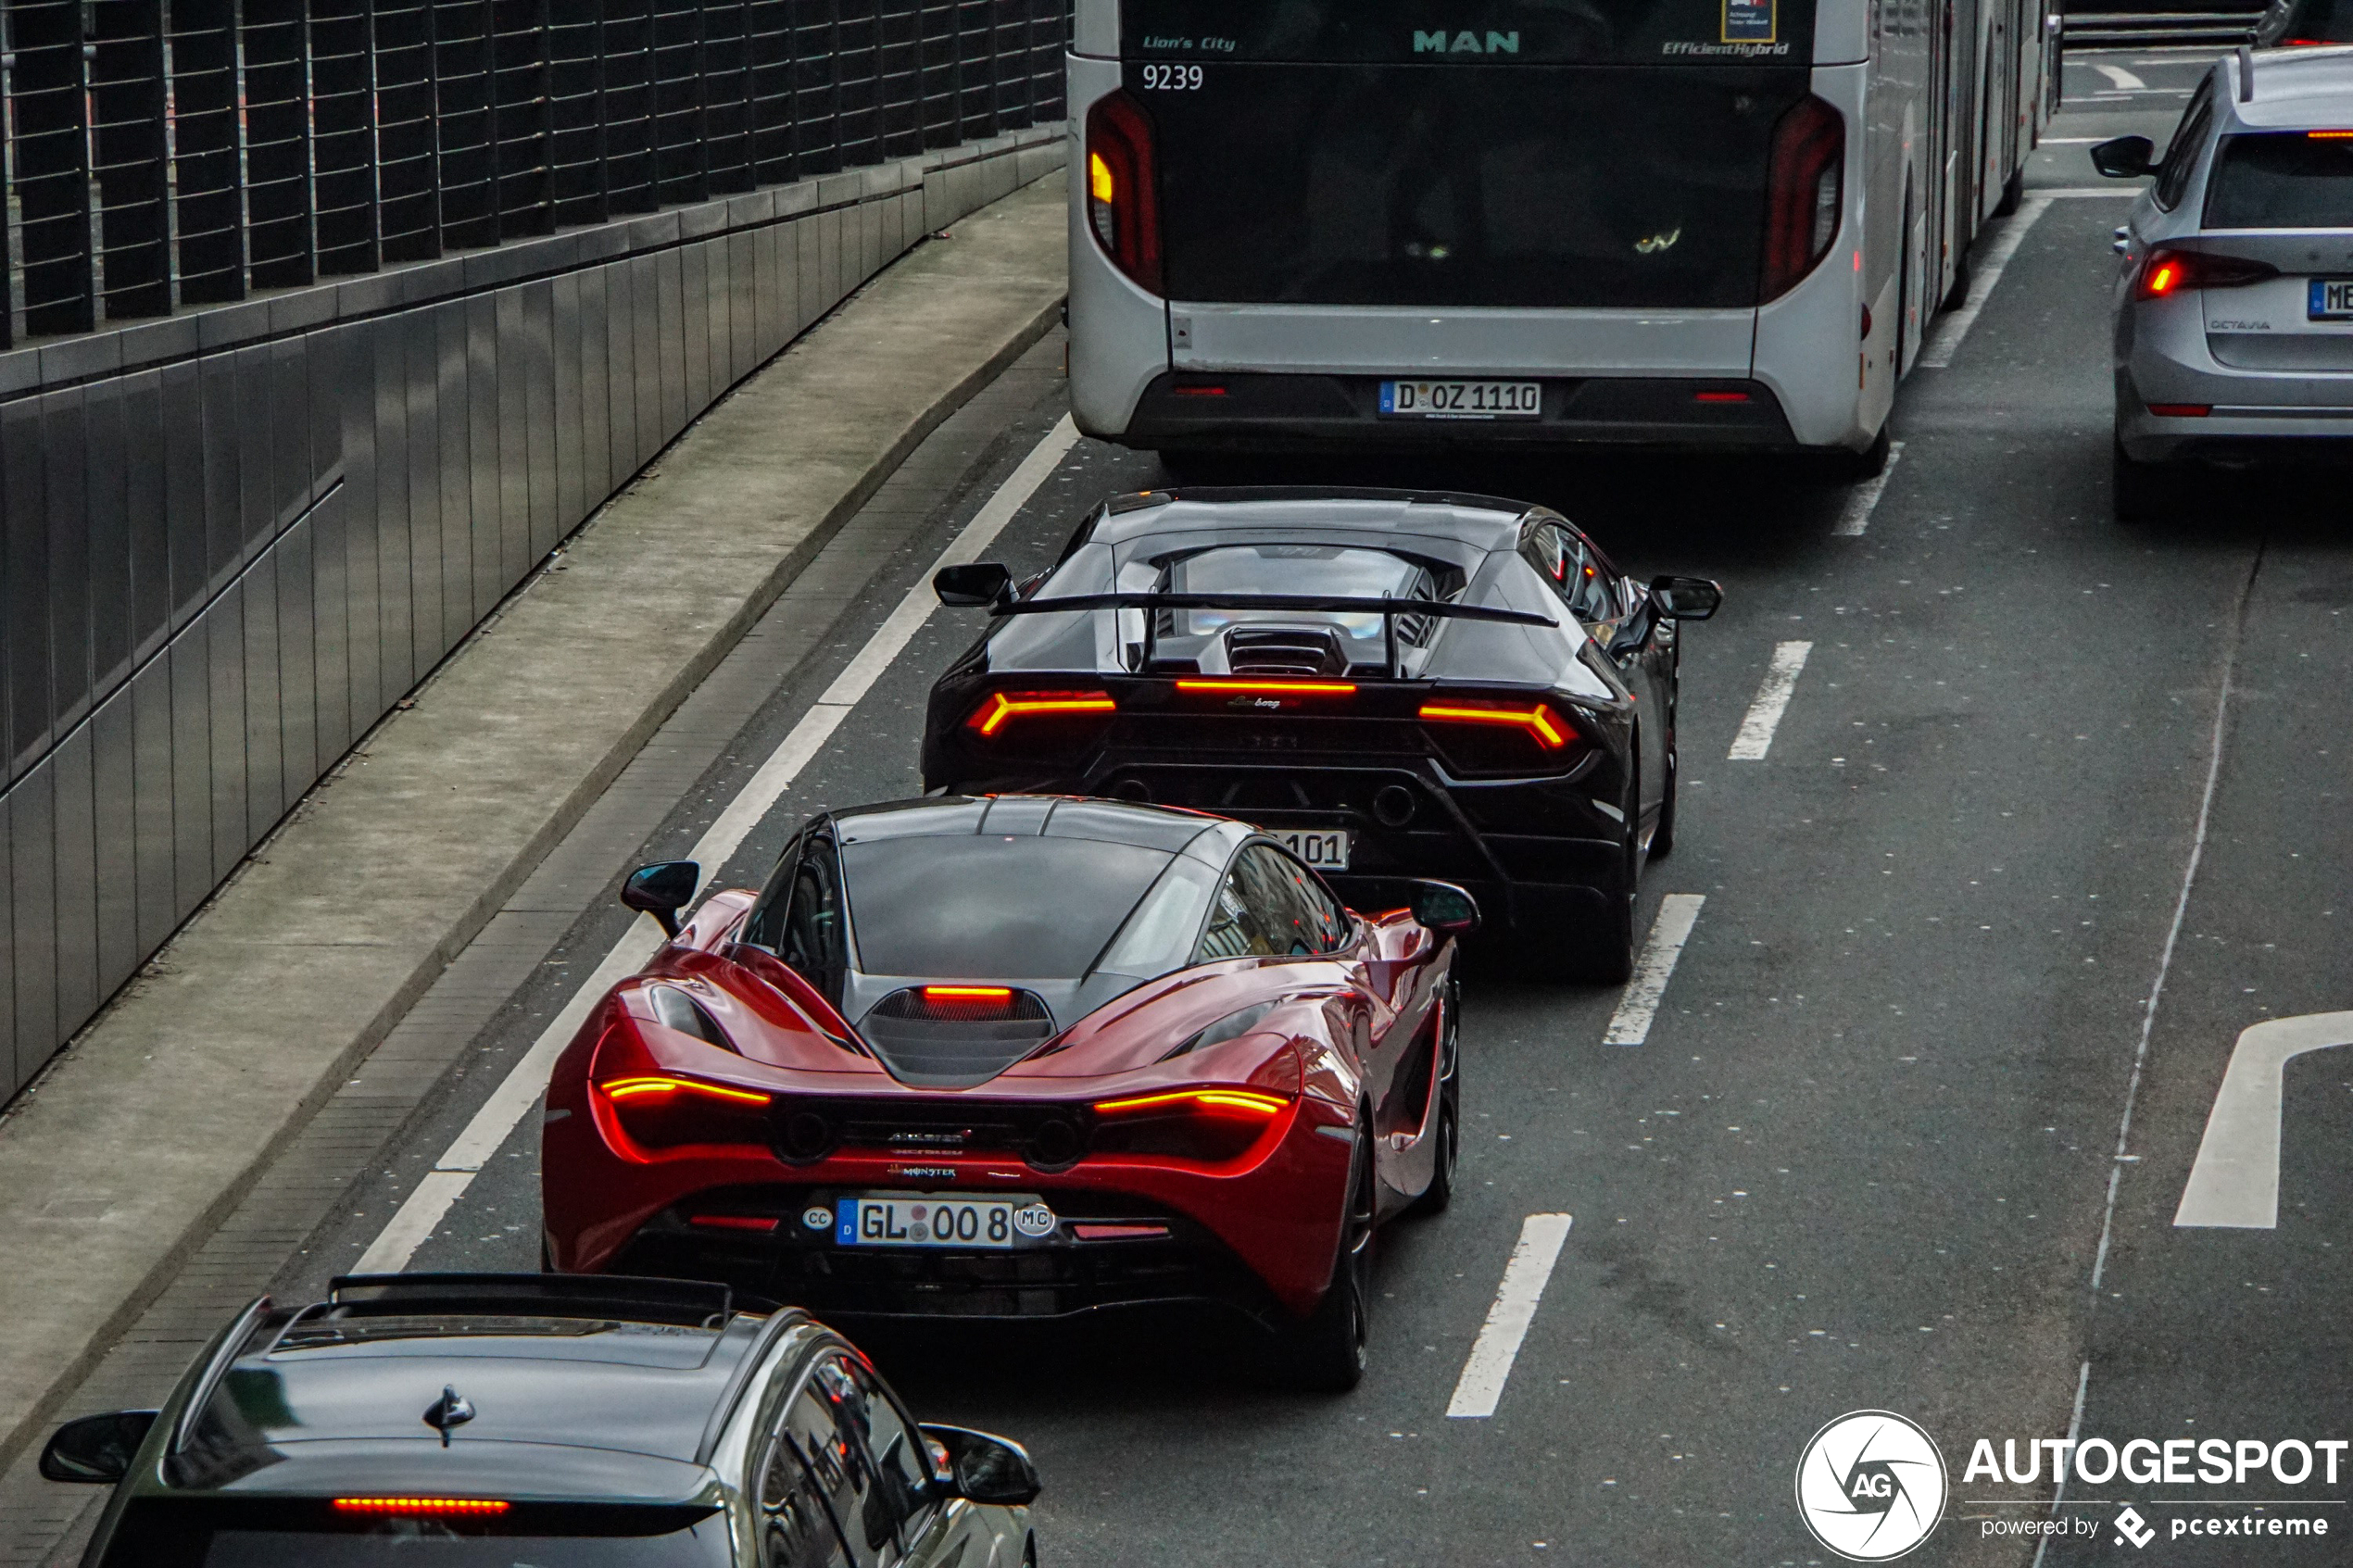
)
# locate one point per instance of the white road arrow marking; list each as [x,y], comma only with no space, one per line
[2123,79]
[2236,1181]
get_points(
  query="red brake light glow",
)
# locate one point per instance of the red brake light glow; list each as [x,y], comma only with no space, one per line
[1719,396]
[968,992]
[2329,135]
[2163,278]
[2180,410]
[2169,271]
[1538,720]
[1003,708]
[735,1222]
[476,1506]
[1292,688]
[640,1088]
[1241,1101]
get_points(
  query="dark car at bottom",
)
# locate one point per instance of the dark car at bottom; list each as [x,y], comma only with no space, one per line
[1399,685]
[473,1421]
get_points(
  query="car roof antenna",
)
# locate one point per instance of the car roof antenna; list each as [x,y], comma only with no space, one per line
[451,1410]
[2247,74]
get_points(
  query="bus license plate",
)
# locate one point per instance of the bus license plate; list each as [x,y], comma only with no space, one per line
[2330,300]
[1466,399]
[932,1220]
[1324,848]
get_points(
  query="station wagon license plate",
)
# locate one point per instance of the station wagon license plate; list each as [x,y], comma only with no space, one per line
[1462,400]
[2330,300]
[940,1220]
[1324,848]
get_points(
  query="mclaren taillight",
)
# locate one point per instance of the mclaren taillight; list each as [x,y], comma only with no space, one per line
[668,1110]
[1803,194]
[1213,1124]
[2169,272]
[1123,198]
[478,1507]
[1002,711]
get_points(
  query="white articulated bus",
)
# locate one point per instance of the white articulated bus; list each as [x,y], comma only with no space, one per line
[1306,225]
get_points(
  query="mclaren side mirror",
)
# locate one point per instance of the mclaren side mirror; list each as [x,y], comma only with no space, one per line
[2125,158]
[1444,908]
[975,586]
[662,890]
[986,1469]
[97,1450]
[1686,599]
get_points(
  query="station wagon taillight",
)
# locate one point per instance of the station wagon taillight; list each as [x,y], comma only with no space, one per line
[2169,271]
[1123,200]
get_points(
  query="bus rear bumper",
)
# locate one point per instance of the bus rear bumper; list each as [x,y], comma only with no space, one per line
[1258,411]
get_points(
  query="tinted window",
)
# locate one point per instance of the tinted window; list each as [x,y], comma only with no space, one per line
[1572,570]
[257,1534]
[800,918]
[826,1433]
[1469,31]
[1159,935]
[1399,185]
[1317,914]
[1268,908]
[2281,180]
[2181,154]
[2321,22]
[900,1464]
[796,1525]
[991,907]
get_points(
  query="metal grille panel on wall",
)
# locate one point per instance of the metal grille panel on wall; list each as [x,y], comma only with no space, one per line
[327,318]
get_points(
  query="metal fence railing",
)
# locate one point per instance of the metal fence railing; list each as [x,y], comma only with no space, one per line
[162,153]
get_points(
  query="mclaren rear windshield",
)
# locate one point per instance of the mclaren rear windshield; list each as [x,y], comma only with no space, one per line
[992,907]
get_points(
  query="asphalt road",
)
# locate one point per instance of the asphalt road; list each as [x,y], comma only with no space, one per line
[1876,1141]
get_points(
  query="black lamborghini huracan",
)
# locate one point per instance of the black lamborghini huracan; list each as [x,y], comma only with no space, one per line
[1398,685]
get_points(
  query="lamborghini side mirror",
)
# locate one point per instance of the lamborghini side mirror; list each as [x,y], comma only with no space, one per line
[1686,599]
[662,890]
[973,586]
[2125,158]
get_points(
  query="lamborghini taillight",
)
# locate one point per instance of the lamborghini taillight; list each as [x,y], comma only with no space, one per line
[1500,735]
[1034,716]
[1212,1125]
[1122,201]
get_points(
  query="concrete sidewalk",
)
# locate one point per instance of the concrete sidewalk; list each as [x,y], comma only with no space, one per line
[156,1120]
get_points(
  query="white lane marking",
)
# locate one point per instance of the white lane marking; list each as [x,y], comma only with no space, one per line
[1938,353]
[2062,193]
[1481,1385]
[2119,75]
[1864,497]
[1630,1024]
[2069,140]
[2180,913]
[2075,1429]
[524,1085]
[1755,735]
[2236,1181]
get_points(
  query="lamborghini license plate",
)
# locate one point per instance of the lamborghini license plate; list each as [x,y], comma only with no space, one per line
[1324,848]
[940,1220]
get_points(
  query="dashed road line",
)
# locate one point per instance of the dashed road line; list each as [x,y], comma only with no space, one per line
[1755,735]
[415,1221]
[1859,502]
[1630,1024]
[1938,353]
[1480,1387]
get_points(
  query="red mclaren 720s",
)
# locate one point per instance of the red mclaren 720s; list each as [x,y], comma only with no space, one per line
[1019,1057]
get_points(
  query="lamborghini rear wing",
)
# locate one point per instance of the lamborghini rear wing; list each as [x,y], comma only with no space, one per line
[1388,609]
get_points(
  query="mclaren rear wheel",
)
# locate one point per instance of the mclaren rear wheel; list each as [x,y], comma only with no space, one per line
[1325,1351]
[1440,1191]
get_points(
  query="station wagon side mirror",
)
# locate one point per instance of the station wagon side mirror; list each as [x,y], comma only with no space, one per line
[973,586]
[97,1450]
[986,1469]
[662,890]
[2125,158]
[1444,908]
[1686,599]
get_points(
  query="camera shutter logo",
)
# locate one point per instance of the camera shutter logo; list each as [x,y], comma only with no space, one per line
[1870,1486]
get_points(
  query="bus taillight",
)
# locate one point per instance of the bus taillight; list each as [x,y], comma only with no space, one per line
[1123,200]
[1805,194]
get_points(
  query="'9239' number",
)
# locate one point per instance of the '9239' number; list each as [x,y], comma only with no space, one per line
[1171,79]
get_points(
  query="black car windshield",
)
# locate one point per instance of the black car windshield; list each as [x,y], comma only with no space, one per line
[990,906]
[2283,179]
[245,1534]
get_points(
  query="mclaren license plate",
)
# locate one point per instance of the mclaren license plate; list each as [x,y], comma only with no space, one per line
[1324,848]
[940,1220]
[2330,300]
[1462,400]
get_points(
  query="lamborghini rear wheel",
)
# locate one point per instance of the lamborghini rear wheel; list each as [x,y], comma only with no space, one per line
[1602,953]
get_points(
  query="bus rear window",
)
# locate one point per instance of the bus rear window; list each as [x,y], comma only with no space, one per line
[2282,180]
[1471,32]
